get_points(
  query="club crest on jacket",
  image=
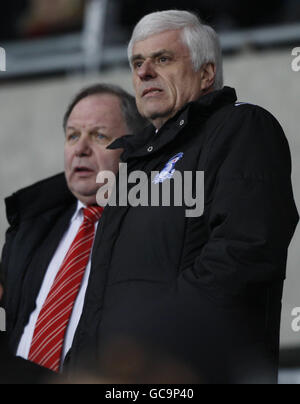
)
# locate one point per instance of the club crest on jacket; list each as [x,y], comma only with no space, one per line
[169,170]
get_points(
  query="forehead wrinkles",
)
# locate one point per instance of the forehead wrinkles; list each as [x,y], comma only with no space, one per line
[166,40]
[98,118]
[96,107]
[90,113]
[85,126]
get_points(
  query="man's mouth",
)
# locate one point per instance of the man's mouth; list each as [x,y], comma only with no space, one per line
[151,92]
[83,170]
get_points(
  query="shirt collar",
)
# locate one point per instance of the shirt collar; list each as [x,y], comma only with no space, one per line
[79,211]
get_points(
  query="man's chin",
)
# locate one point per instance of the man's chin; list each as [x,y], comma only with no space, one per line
[158,114]
[86,196]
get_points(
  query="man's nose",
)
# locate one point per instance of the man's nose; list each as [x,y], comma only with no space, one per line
[82,147]
[147,70]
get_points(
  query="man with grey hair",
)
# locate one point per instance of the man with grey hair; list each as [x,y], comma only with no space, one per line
[196,71]
[232,257]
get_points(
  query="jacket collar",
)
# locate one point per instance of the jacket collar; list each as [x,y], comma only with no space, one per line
[39,198]
[149,142]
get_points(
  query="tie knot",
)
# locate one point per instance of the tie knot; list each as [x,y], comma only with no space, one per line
[92,213]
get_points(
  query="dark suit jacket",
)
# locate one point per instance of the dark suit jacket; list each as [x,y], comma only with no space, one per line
[51,207]
[38,217]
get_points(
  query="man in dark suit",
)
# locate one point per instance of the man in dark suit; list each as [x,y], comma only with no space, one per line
[54,219]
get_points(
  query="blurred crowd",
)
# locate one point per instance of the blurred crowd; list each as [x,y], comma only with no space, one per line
[222,14]
[21,19]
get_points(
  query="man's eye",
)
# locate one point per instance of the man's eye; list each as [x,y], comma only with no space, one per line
[100,136]
[163,59]
[137,65]
[72,136]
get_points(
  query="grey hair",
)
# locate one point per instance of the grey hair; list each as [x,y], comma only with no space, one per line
[134,121]
[202,40]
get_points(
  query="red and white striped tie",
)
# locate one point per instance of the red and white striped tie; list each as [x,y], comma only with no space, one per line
[47,343]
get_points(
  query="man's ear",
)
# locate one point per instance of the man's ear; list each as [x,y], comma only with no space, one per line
[208,76]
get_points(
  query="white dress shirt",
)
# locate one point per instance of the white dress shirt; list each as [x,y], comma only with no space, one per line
[53,268]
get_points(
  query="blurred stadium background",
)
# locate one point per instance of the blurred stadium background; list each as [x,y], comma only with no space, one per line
[53,48]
